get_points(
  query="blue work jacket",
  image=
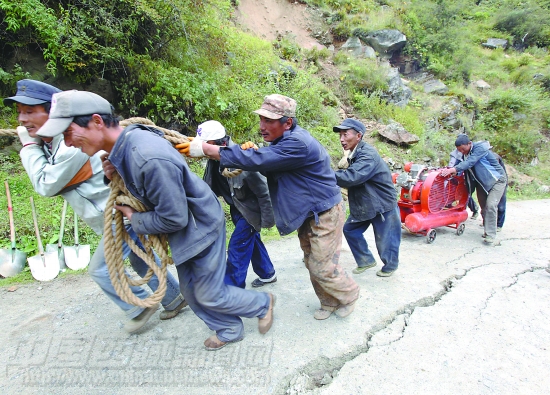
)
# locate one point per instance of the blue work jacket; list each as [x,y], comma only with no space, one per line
[300,180]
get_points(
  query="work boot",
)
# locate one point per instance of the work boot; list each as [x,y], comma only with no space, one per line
[135,324]
[168,314]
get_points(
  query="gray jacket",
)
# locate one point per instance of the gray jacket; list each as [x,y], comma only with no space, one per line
[368,179]
[51,169]
[250,195]
[181,204]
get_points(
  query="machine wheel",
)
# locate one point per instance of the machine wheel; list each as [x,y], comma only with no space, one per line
[460,229]
[430,237]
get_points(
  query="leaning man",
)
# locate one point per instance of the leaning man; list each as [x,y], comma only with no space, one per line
[483,167]
[372,201]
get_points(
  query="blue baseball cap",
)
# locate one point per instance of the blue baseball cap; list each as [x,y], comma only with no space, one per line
[31,93]
[350,123]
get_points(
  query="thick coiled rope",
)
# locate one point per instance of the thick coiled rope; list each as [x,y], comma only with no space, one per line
[113,243]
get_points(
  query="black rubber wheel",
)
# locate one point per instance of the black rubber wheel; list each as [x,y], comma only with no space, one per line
[460,229]
[430,237]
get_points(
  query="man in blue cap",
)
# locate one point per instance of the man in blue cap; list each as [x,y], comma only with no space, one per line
[55,169]
[372,201]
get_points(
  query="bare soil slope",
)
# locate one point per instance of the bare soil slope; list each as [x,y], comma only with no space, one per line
[270,19]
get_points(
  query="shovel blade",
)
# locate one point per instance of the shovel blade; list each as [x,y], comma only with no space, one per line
[44,267]
[60,255]
[77,257]
[12,262]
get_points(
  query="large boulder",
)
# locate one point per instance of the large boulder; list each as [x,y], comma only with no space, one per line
[385,42]
[396,133]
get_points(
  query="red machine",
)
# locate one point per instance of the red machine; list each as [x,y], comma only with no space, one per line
[429,201]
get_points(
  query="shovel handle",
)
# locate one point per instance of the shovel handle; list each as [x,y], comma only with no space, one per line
[62,228]
[40,248]
[10,212]
[75,229]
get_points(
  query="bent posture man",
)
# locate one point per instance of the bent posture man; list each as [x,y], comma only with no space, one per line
[250,208]
[55,169]
[490,178]
[372,201]
[304,194]
[181,206]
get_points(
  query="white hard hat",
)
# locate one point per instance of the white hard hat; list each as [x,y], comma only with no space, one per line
[210,130]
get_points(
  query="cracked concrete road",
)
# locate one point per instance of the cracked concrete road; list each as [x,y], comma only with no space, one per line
[457,317]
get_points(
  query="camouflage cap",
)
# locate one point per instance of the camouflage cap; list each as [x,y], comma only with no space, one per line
[277,106]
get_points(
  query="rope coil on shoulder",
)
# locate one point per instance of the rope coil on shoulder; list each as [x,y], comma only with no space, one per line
[113,238]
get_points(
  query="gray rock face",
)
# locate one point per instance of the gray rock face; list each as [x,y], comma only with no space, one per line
[385,41]
[495,43]
[449,115]
[435,86]
[398,93]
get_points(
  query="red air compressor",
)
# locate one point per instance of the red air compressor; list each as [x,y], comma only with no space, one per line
[429,201]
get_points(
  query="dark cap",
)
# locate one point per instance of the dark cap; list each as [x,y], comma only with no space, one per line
[31,93]
[462,139]
[350,123]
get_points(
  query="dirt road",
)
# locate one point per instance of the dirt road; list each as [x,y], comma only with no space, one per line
[457,317]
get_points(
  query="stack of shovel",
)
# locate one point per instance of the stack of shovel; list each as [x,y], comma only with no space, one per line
[46,265]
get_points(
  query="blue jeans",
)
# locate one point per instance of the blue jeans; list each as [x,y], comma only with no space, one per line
[100,274]
[387,235]
[245,246]
[219,305]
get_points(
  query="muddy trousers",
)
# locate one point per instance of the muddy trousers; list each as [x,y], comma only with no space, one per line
[321,243]
[219,305]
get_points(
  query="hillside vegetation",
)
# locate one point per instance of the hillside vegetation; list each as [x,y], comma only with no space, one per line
[181,62]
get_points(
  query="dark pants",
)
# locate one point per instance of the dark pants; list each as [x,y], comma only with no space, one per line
[501,210]
[219,305]
[245,246]
[387,235]
[472,205]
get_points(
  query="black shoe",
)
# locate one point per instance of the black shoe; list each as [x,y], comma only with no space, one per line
[260,283]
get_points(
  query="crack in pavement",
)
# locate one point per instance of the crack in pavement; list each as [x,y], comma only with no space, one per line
[320,371]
